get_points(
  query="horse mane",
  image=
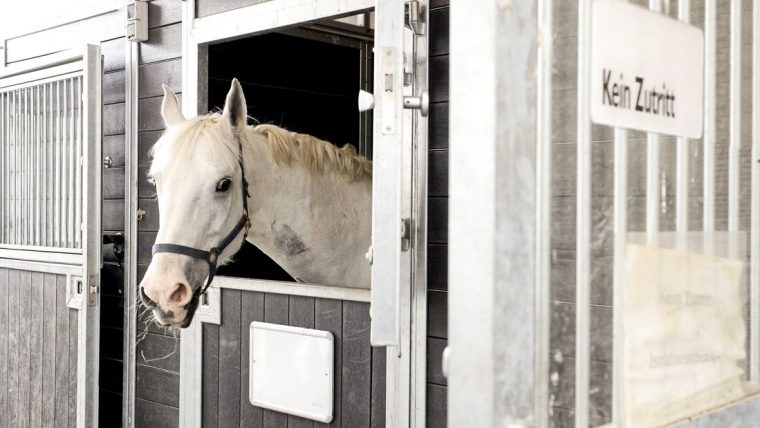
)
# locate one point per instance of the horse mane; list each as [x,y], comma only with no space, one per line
[315,155]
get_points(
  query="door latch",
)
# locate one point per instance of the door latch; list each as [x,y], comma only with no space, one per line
[414,18]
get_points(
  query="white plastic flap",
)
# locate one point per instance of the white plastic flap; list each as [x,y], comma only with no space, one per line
[291,370]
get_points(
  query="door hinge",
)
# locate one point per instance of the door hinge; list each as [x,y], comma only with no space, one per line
[406,233]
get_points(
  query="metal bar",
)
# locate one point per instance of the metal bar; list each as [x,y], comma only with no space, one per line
[682,154]
[43,170]
[37,168]
[543,210]
[57,167]
[14,173]
[708,190]
[653,171]
[78,165]
[620,230]
[735,109]
[754,297]
[72,164]
[25,170]
[65,161]
[583,226]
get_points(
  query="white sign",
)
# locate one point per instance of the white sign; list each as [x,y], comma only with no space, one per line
[646,70]
[684,334]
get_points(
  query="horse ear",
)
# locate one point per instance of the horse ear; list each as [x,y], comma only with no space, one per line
[235,109]
[170,108]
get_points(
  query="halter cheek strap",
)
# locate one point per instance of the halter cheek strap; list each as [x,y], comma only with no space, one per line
[211,256]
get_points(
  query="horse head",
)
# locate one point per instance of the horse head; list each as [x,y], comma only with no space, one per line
[198,172]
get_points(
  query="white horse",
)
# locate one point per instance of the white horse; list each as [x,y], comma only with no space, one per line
[309,204]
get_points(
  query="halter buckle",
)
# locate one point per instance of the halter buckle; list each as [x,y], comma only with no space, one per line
[213,255]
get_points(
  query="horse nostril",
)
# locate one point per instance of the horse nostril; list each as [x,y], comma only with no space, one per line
[147,301]
[182,294]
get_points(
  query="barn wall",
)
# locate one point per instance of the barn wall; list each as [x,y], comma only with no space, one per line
[562,358]
[157,353]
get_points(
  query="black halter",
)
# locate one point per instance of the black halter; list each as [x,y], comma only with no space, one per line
[211,256]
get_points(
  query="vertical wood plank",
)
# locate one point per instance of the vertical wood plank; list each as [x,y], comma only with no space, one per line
[328,315]
[4,332]
[73,361]
[25,295]
[229,359]
[37,309]
[48,353]
[300,314]
[252,309]
[275,311]
[356,364]
[210,412]
[377,410]
[13,317]
[61,353]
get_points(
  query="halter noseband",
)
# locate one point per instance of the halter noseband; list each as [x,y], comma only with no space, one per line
[211,256]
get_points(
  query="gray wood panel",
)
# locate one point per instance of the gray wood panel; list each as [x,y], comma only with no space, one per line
[13,346]
[434,351]
[163,12]
[113,146]
[159,351]
[436,406]
[377,410]
[113,52]
[24,387]
[49,354]
[36,350]
[438,220]
[439,30]
[73,361]
[113,215]
[328,315]
[437,314]
[229,360]
[439,78]
[154,74]
[252,309]
[210,410]
[61,353]
[437,265]
[438,126]
[113,87]
[357,364]
[113,119]
[160,386]
[163,43]
[113,183]
[149,414]
[438,173]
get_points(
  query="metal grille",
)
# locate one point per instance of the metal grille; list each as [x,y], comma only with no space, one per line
[40,164]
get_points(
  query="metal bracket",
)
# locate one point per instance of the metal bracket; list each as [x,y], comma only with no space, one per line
[140,214]
[137,21]
[107,162]
[406,234]
[415,18]
[210,307]
[74,288]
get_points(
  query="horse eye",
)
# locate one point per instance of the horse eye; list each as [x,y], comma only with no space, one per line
[224,185]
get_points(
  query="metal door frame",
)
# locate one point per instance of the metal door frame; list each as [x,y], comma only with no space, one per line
[406,367]
[77,265]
